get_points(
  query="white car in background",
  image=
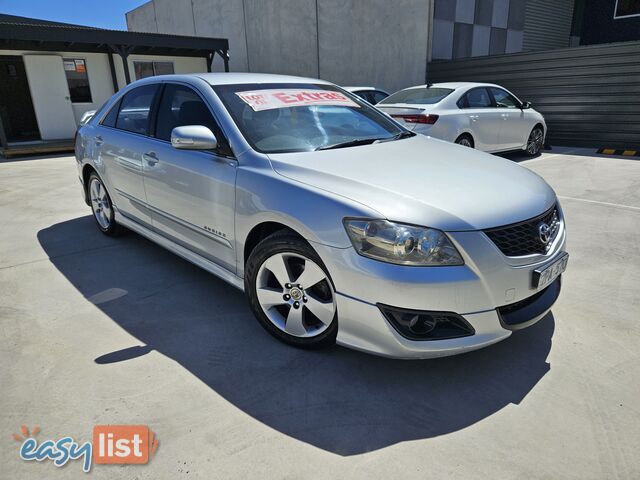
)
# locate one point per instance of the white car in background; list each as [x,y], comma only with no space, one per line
[478,115]
[369,94]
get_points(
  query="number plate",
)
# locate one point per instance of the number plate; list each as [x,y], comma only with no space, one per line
[547,274]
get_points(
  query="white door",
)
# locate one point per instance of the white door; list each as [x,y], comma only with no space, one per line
[50,96]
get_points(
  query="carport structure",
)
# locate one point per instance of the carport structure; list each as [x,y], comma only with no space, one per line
[27,49]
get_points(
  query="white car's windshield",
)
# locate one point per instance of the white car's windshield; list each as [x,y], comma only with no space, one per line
[279,118]
[422,95]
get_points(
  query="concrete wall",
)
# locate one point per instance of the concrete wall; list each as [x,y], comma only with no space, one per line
[225,19]
[142,19]
[373,42]
[282,36]
[350,42]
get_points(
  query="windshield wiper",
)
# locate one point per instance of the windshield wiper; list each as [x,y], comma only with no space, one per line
[402,134]
[349,143]
[366,141]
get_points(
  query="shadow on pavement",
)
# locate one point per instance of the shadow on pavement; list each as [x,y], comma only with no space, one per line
[339,400]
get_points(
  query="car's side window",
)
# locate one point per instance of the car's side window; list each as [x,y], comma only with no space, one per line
[504,99]
[110,119]
[135,109]
[364,94]
[476,98]
[378,96]
[180,106]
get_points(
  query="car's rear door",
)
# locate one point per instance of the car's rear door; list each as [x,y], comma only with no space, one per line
[481,117]
[513,131]
[191,193]
[121,139]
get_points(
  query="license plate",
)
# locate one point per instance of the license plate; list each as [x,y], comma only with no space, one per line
[547,274]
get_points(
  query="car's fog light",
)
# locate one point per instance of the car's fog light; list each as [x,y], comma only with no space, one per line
[425,325]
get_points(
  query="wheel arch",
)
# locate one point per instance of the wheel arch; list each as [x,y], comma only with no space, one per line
[261,231]
[87,170]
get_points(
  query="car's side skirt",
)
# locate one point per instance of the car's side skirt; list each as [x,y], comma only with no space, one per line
[181,251]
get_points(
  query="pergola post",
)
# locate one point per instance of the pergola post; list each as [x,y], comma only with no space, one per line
[3,136]
[225,56]
[112,68]
[124,51]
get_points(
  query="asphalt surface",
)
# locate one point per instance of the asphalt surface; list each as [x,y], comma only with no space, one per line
[119,331]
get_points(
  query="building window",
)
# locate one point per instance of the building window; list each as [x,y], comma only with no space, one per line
[627,8]
[149,69]
[76,71]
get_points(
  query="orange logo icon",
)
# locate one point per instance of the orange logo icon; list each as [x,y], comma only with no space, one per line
[131,444]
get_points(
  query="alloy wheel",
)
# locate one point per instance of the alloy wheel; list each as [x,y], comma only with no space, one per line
[100,203]
[295,294]
[465,142]
[534,144]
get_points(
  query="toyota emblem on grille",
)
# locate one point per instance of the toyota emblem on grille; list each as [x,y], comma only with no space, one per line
[544,233]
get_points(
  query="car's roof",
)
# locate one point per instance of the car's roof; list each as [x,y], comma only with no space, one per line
[240,78]
[456,85]
[353,89]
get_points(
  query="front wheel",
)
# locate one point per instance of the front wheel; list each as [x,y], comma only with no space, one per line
[535,141]
[291,293]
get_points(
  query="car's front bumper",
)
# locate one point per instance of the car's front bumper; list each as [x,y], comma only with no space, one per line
[475,291]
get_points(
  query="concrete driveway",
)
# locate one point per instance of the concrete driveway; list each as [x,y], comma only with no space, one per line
[118,331]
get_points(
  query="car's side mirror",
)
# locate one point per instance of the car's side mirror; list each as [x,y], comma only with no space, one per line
[193,137]
[526,105]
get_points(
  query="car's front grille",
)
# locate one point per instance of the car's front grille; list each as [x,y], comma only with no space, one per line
[525,238]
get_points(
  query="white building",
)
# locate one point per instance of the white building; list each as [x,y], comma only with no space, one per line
[52,73]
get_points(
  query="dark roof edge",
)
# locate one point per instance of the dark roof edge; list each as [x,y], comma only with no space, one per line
[23,28]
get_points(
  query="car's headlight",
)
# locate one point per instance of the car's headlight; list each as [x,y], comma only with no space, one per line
[401,244]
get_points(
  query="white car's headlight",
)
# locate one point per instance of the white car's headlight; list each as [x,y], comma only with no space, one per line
[401,244]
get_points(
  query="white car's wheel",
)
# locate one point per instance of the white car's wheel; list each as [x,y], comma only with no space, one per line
[535,141]
[291,293]
[465,140]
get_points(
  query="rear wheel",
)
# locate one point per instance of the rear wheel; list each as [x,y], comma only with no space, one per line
[465,140]
[102,207]
[290,292]
[535,141]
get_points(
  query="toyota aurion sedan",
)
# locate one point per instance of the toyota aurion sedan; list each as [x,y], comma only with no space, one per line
[339,224]
[478,115]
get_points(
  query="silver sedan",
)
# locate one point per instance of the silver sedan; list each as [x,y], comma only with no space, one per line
[338,223]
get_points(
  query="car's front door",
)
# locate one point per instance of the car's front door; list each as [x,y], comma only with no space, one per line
[482,119]
[191,193]
[513,132]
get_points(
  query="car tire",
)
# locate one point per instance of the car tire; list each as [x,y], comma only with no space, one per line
[465,140]
[535,142]
[102,207]
[297,303]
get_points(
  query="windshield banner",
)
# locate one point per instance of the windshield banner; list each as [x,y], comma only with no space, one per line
[270,99]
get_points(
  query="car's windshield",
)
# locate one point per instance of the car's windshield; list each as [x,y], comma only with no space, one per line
[422,95]
[287,117]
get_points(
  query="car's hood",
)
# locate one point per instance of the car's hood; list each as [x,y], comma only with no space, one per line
[424,181]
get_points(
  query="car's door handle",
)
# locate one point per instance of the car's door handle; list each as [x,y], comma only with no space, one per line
[99,140]
[473,117]
[505,116]
[151,158]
